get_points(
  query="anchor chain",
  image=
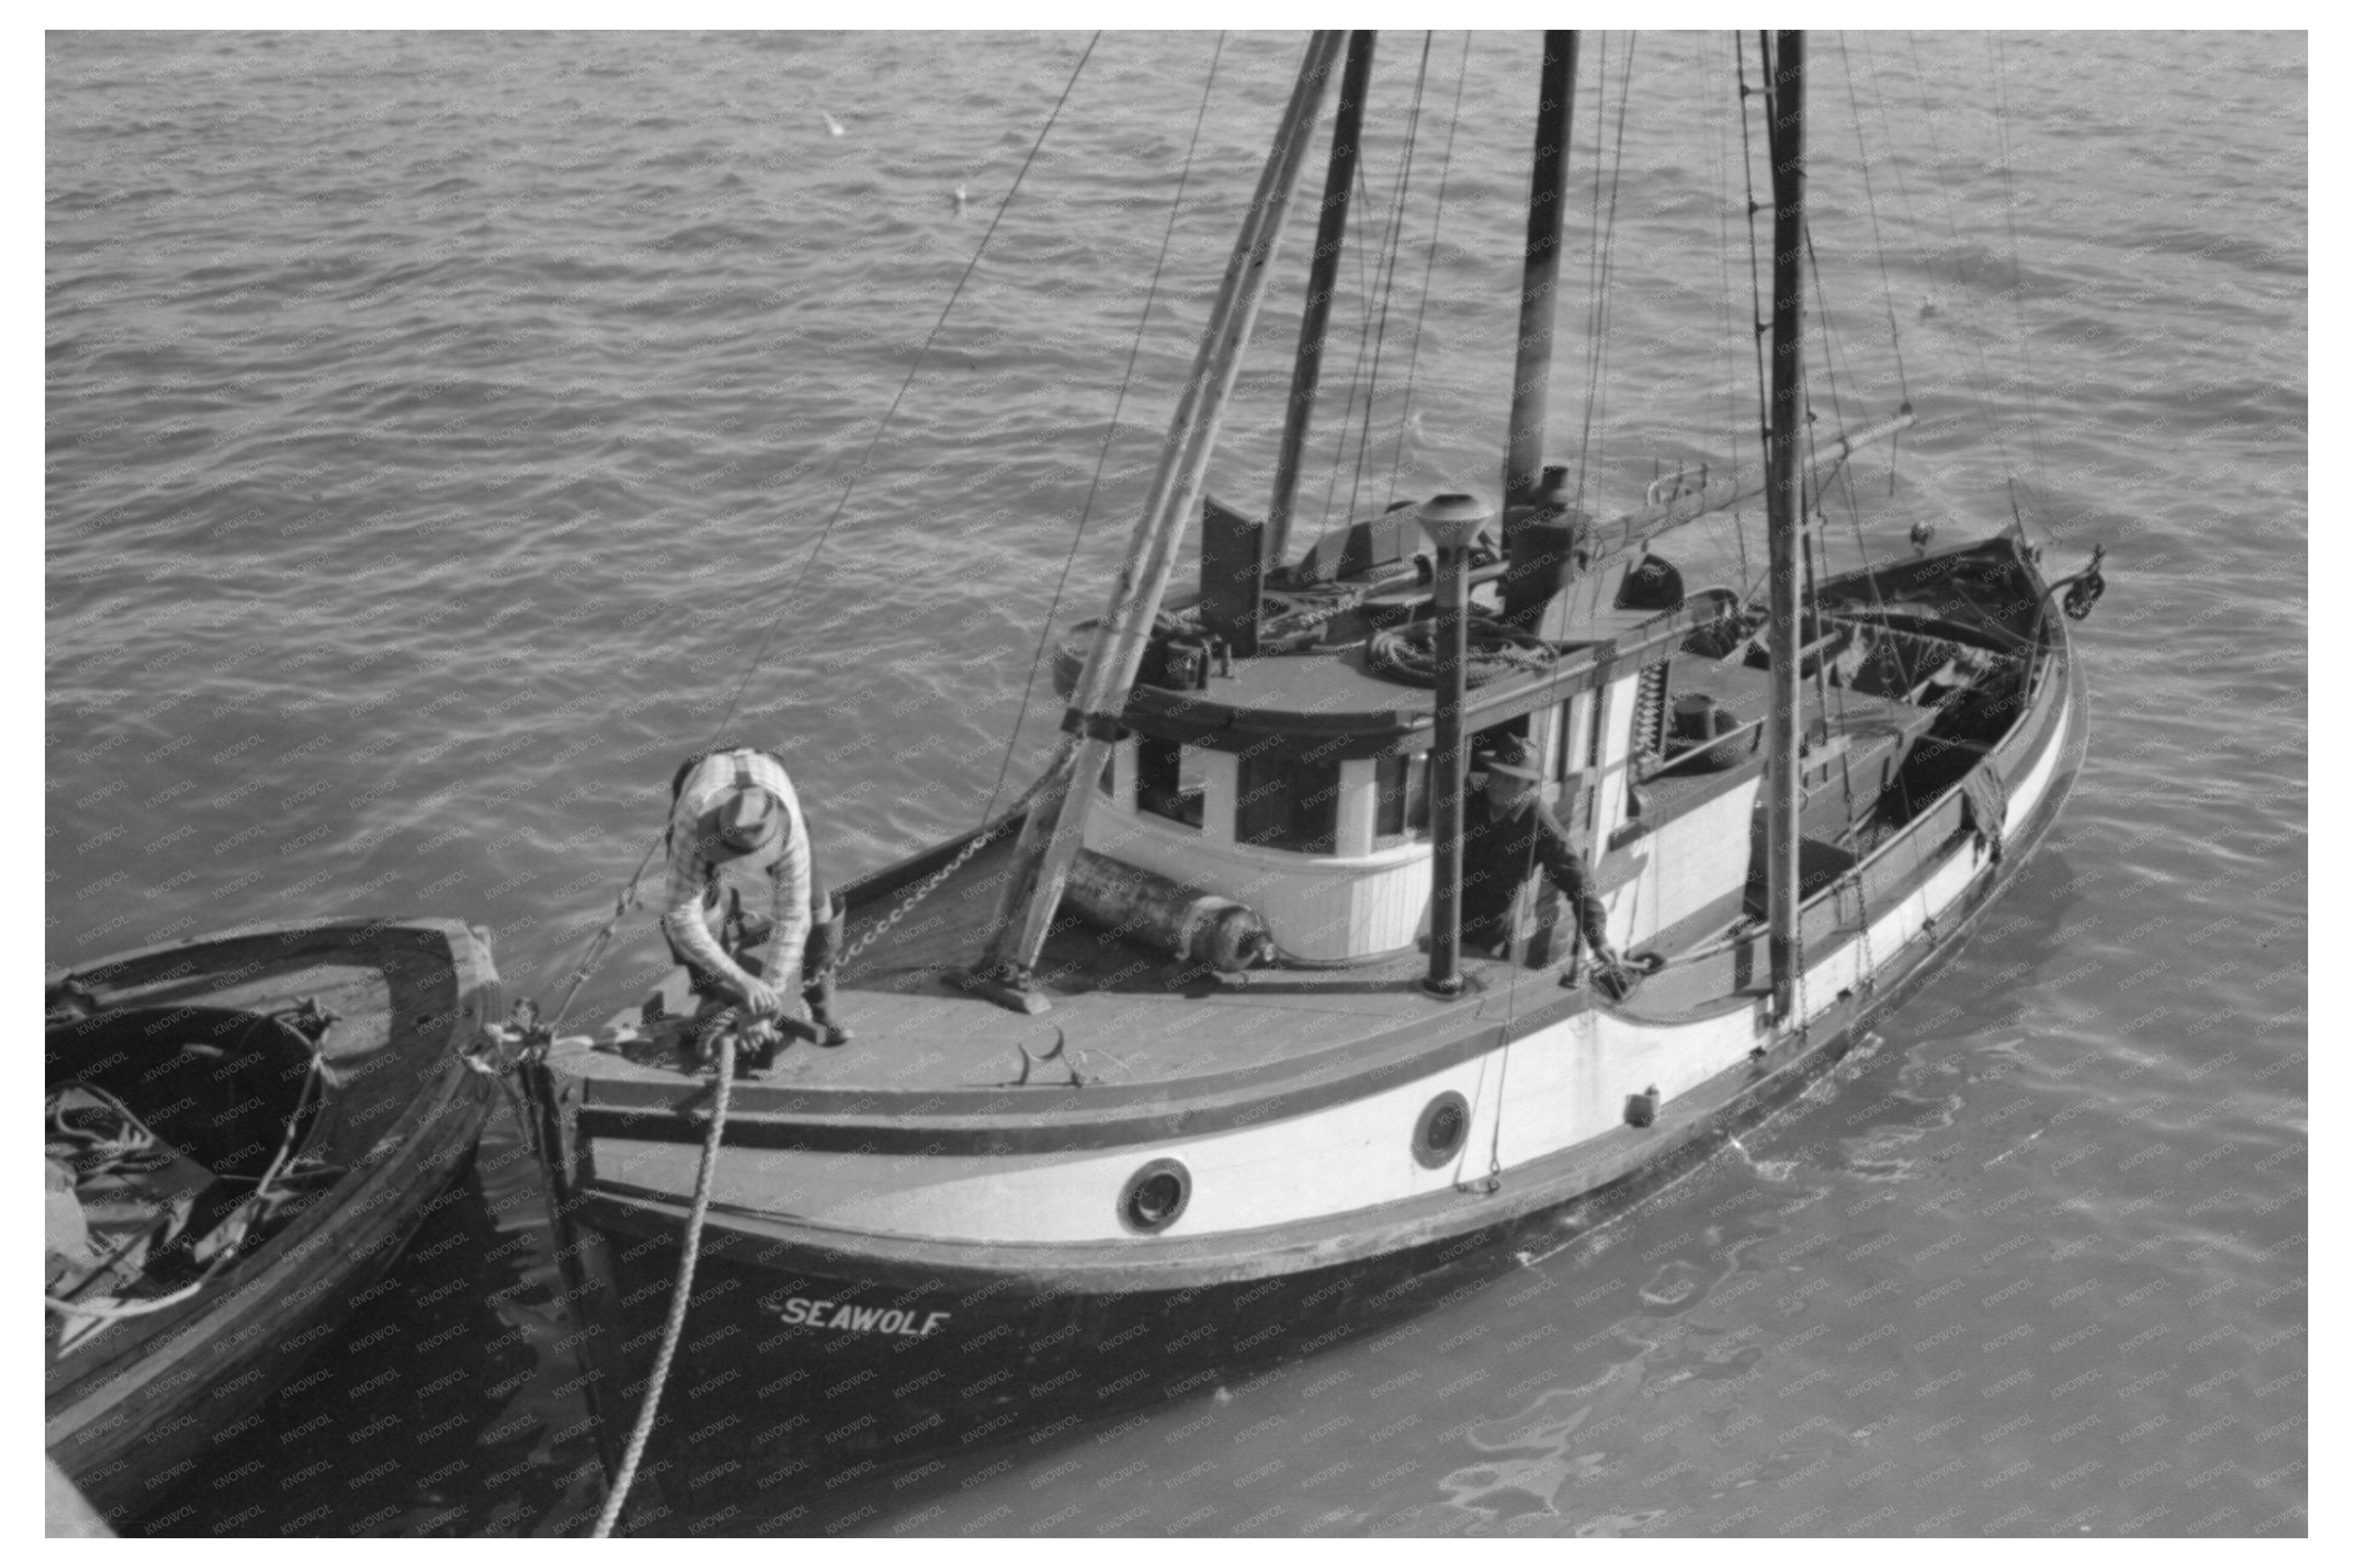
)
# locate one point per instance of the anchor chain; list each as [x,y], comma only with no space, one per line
[938,878]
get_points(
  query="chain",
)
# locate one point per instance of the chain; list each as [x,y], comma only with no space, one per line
[933,882]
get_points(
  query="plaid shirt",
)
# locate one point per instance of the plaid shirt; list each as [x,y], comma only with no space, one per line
[694,883]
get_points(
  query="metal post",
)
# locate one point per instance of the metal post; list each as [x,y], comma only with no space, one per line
[1547,197]
[1786,106]
[1451,521]
[1339,181]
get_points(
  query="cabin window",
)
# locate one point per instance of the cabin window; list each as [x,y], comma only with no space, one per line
[1400,798]
[1283,804]
[1170,781]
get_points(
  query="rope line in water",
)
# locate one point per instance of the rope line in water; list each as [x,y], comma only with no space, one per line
[689,1249]
[706,1175]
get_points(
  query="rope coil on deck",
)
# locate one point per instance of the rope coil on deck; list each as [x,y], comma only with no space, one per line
[1408,655]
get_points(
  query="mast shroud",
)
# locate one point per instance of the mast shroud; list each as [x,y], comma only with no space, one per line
[1331,229]
[1785,106]
[1540,272]
[1051,833]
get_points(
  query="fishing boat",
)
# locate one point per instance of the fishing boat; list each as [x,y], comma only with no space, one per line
[1184,1065]
[244,1131]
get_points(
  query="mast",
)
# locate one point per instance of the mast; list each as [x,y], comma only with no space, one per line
[1547,197]
[1051,833]
[1339,181]
[1785,107]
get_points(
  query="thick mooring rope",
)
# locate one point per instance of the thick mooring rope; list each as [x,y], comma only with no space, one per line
[688,1251]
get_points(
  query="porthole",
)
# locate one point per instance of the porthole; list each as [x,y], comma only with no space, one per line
[1439,1134]
[1155,1196]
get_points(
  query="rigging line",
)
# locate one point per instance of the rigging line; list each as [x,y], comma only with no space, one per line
[1593,257]
[1363,203]
[1817,559]
[1756,325]
[1126,379]
[1831,353]
[1718,164]
[1816,540]
[1878,245]
[1599,237]
[928,338]
[2017,279]
[1976,338]
[1389,269]
[621,905]
[1596,394]
[1437,221]
[1809,543]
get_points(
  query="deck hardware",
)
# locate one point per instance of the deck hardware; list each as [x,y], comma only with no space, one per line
[1155,1197]
[1641,1110]
[1439,1131]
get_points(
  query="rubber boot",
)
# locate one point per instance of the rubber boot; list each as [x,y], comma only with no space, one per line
[817,962]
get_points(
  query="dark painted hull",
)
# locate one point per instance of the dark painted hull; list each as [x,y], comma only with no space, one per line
[131,1412]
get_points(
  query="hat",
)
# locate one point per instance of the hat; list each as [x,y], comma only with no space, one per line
[748,818]
[1507,753]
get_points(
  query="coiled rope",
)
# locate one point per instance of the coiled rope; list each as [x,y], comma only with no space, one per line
[1408,654]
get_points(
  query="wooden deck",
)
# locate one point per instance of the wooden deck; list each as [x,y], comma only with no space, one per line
[1122,1017]
[1126,1018]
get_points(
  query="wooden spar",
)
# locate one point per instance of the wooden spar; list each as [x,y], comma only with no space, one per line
[1742,487]
[1050,834]
[1539,276]
[1331,229]
[1785,106]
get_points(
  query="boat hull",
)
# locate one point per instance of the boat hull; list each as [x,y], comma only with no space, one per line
[132,1411]
[808,1354]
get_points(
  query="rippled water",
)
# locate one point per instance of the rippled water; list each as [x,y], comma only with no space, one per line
[436,423]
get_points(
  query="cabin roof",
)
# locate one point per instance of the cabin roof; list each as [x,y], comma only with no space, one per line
[1329,700]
